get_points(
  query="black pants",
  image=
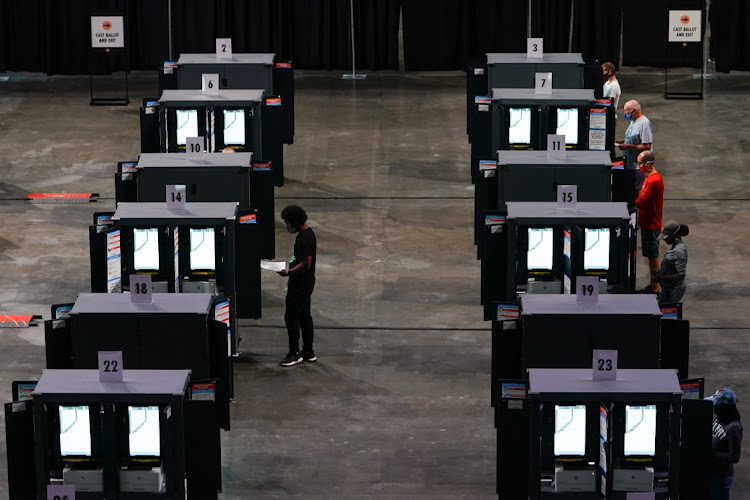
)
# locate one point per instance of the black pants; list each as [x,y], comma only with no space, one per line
[297,317]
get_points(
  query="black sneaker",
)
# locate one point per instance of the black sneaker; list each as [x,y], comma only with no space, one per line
[308,356]
[291,359]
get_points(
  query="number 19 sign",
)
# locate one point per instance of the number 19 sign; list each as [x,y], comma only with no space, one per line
[587,290]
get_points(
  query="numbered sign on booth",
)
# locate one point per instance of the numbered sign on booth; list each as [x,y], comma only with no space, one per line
[587,289]
[567,196]
[194,147]
[110,366]
[542,83]
[535,47]
[176,197]
[140,288]
[605,364]
[224,48]
[210,83]
[555,146]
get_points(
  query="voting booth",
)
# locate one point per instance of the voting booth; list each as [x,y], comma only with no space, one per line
[520,119]
[241,120]
[203,248]
[241,71]
[536,247]
[535,176]
[564,434]
[517,71]
[172,331]
[136,438]
[208,177]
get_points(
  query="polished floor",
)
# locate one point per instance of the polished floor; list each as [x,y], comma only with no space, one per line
[398,404]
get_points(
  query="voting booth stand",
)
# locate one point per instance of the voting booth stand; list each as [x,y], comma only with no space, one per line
[241,71]
[516,71]
[521,119]
[534,176]
[170,332]
[208,177]
[203,248]
[536,247]
[562,433]
[108,49]
[684,44]
[140,437]
[242,120]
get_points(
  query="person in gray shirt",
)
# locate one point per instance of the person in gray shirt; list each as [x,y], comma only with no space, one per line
[638,138]
[671,274]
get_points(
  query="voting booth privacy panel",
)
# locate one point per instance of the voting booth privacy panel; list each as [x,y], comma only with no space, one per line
[138,438]
[209,177]
[203,248]
[242,120]
[562,434]
[539,248]
[241,71]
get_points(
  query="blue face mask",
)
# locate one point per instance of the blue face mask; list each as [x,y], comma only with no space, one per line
[627,116]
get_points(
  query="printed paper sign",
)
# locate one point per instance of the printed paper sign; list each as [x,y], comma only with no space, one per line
[535,47]
[140,288]
[587,289]
[224,48]
[555,146]
[210,83]
[684,26]
[107,32]
[605,364]
[567,196]
[110,366]
[543,83]
[176,197]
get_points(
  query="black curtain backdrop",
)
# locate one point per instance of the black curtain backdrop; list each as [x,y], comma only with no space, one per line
[645,36]
[550,19]
[596,30]
[53,36]
[443,34]
[730,37]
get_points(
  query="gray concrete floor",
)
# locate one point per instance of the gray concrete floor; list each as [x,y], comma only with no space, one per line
[398,404]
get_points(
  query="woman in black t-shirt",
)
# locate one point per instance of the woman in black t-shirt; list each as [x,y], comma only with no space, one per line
[726,446]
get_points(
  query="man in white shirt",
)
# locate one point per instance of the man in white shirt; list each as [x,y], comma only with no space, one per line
[611,84]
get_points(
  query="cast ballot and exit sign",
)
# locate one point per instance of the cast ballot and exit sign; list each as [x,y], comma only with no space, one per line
[684,26]
[107,32]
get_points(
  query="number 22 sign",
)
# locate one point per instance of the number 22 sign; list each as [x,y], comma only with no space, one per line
[110,366]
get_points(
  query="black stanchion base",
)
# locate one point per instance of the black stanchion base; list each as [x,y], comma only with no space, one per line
[109,101]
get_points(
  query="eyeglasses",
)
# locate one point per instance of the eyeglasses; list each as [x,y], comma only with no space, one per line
[645,163]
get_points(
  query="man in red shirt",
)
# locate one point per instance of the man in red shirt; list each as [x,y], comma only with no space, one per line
[649,205]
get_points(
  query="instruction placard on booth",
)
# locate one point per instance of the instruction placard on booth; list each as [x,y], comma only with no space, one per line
[107,32]
[684,26]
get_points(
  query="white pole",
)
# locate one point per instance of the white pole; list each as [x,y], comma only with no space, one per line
[353,75]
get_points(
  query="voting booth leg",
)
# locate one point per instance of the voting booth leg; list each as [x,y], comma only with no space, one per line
[19,440]
[108,101]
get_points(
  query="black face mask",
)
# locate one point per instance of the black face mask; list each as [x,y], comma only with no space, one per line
[291,229]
